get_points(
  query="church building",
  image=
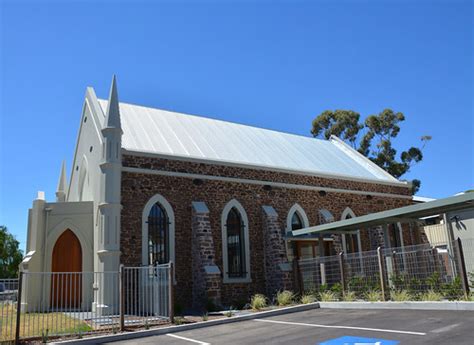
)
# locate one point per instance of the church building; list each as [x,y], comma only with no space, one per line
[218,199]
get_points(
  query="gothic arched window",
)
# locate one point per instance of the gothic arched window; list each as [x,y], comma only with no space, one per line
[158,236]
[235,243]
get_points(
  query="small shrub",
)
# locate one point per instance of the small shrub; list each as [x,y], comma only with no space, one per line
[323,287]
[285,297]
[179,320]
[434,281]
[147,325]
[205,317]
[431,295]
[373,296]
[258,302]
[337,289]
[306,299]
[401,296]
[349,296]
[328,296]
[453,290]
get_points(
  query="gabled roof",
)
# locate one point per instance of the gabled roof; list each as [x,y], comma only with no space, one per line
[166,133]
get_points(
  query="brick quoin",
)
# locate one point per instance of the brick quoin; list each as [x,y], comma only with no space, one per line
[138,188]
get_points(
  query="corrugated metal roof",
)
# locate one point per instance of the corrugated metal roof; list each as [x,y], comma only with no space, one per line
[168,133]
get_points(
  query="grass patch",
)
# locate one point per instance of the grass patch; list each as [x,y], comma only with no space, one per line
[285,297]
[37,324]
[258,302]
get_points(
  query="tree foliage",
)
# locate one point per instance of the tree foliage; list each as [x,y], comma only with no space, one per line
[10,254]
[373,138]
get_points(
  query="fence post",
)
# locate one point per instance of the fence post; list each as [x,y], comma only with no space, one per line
[462,268]
[381,259]
[171,291]
[343,272]
[296,276]
[18,307]
[122,298]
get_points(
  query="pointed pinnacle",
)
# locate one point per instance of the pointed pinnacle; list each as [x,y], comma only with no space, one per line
[112,119]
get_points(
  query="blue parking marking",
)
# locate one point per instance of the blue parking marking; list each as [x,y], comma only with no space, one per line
[347,340]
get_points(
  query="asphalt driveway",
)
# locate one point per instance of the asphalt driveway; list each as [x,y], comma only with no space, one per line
[334,326]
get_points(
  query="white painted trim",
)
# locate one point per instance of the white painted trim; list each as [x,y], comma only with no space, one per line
[359,155]
[83,180]
[298,209]
[52,237]
[348,213]
[260,182]
[243,214]
[262,167]
[157,198]
[90,101]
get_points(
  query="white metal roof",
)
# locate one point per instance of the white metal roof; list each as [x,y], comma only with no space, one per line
[157,131]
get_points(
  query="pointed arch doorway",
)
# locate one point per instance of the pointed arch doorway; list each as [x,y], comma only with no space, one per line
[66,268]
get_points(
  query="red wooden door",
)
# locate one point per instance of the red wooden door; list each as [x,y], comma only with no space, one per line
[66,279]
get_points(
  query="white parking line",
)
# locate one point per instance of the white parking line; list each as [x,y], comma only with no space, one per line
[446,328]
[342,327]
[187,339]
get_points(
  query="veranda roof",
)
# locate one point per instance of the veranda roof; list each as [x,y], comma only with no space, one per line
[402,214]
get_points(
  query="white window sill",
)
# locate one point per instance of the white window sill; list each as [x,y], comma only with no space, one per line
[228,280]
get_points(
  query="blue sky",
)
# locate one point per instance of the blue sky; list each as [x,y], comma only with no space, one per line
[272,64]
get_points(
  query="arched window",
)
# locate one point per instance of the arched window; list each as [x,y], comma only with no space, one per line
[296,219]
[351,240]
[235,243]
[158,236]
[296,222]
[157,232]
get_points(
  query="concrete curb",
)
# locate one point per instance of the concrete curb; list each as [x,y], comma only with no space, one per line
[187,327]
[414,305]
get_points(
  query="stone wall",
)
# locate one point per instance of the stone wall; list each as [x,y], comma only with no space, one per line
[278,271]
[180,192]
[206,275]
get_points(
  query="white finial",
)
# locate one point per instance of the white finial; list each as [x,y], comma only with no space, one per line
[62,185]
[112,118]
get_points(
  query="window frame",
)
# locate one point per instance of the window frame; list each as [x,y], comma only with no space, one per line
[166,206]
[291,246]
[244,219]
[296,208]
[348,213]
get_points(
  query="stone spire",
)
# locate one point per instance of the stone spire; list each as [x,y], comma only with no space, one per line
[112,117]
[62,185]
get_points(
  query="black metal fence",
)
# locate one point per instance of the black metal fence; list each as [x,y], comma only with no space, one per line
[51,305]
[425,271]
